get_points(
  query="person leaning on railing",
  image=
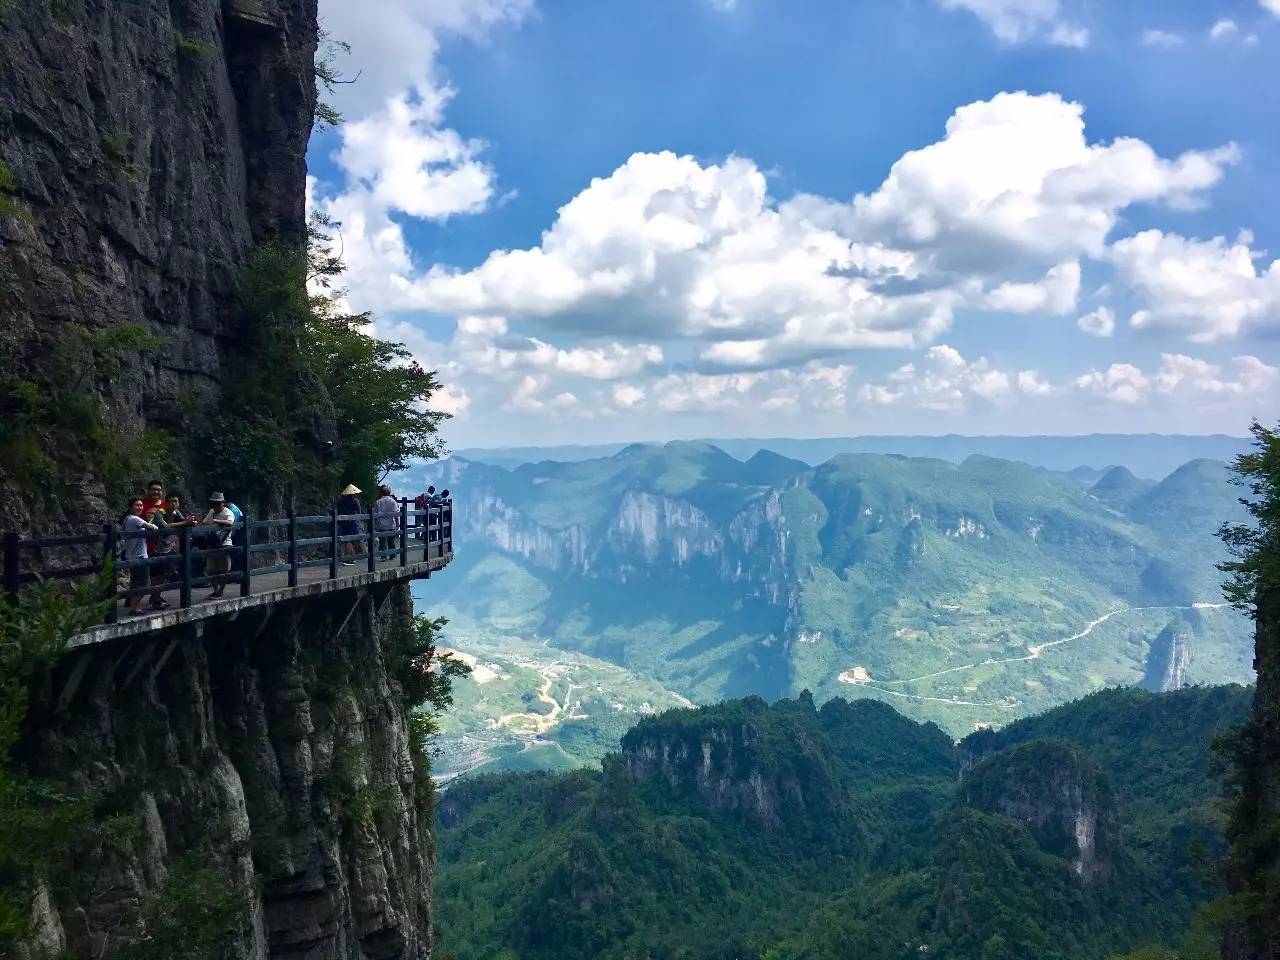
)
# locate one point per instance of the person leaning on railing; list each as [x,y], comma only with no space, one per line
[135,551]
[219,564]
[386,518]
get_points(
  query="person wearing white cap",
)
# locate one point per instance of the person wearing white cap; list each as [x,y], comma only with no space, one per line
[218,564]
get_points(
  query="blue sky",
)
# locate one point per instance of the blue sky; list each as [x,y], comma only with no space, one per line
[612,221]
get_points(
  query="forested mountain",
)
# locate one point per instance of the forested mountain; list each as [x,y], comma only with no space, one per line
[965,593]
[747,830]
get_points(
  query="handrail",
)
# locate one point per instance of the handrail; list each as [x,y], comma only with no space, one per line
[429,529]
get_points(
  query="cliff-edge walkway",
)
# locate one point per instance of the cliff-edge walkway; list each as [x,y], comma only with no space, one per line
[268,567]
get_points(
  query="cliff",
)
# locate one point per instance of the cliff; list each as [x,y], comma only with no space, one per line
[276,753]
[145,146]
[1254,871]
[1058,791]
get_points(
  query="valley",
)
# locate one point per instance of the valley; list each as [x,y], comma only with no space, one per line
[967,594]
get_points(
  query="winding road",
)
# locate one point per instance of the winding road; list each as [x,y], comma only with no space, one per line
[1033,653]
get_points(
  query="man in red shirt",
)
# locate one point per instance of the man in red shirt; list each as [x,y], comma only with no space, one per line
[154,500]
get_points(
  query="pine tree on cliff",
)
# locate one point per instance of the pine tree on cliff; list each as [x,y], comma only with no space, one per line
[1254,585]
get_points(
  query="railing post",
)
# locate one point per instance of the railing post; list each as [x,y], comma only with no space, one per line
[404,533]
[247,556]
[333,540]
[373,544]
[109,537]
[184,547]
[11,568]
[293,548]
[446,523]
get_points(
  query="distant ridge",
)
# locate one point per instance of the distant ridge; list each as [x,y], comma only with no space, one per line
[1146,455]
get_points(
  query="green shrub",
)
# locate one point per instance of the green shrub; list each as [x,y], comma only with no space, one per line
[190,47]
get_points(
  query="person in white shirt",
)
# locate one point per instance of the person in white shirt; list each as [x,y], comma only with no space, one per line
[135,549]
[386,517]
[218,564]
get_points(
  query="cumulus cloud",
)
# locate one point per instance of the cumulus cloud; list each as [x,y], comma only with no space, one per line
[1223,30]
[813,386]
[1024,21]
[1098,323]
[1164,39]
[1056,293]
[1271,6]
[1182,376]
[1119,383]
[946,382]
[1205,289]
[994,216]
[396,155]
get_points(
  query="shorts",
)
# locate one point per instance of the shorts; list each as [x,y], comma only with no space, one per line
[350,528]
[139,577]
[218,563]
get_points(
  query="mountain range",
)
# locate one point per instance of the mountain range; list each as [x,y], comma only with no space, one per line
[968,593]
[793,832]
[1148,455]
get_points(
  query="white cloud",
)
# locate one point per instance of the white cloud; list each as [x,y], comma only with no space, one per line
[1024,21]
[1205,289]
[944,381]
[1224,30]
[1271,6]
[626,395]
[993,216]
[1119,383]
[1164,39]
[1098,323]
[1179,372]
[1056,293]
[1015,177]
[1029,383]
[814,386]
[396,155]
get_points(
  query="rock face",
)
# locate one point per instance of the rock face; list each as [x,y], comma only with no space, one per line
[1169,658]
[747,761]
[1255,824]
[1059,793]
[150,145]
[276,750]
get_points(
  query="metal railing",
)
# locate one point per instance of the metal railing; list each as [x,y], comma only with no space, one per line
[256,550]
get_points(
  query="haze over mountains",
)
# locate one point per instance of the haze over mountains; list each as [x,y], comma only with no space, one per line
[968,593]
[1148,455]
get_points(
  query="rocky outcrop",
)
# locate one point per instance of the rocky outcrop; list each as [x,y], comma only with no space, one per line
[150,144]
[273,747]
[770,766]
[1169,658]
[1059,793]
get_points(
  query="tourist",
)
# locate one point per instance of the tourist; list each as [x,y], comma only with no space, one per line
[153,499]
[170,519]
[135,551]
[219,564]
[386,518]
[349,505]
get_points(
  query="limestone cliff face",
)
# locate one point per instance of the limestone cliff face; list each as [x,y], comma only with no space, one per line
[150,145]
[1059,792]
[1255,823]
[773,770]
[1169,658]
[273,747]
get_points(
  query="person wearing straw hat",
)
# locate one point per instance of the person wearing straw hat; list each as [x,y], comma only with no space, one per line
[349,503]
[219,564]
